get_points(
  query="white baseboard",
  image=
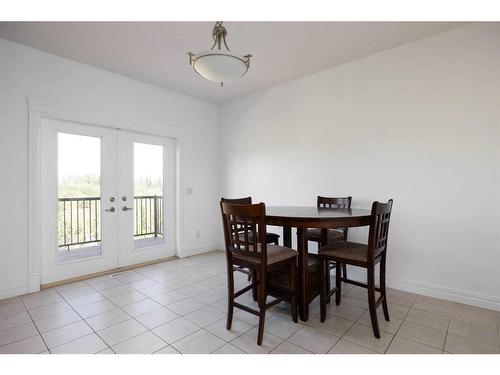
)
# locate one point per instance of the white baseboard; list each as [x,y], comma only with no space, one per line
[197,251]
[7,292]
[451,294]
[437,291]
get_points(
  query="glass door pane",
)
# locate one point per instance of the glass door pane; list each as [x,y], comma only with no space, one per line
[79,196]
[148,195]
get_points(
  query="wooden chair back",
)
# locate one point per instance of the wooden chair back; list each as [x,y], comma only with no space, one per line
[338,202]
[245,229]
[335,202]
[379,229]
[246,200]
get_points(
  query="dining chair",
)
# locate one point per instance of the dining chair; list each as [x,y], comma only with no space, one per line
[271,238]
[244,234]
[337,234]
[360,255]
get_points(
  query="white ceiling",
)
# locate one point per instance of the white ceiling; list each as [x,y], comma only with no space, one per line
[156,52]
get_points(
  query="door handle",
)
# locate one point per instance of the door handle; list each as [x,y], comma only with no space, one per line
[125,208]
[112,209]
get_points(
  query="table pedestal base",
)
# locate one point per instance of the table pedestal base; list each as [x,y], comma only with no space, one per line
[280,276]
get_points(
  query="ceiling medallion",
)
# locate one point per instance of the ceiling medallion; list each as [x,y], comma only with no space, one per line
[219,64]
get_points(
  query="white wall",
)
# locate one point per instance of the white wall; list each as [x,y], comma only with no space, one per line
[27,72]
[418,123]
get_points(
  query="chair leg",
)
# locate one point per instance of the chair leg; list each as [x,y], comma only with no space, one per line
[277,242]
[371,300]
[293,286]
[262,304]
[323,264]
[338,283]
[344,270]
[382,288]
[230,297]
[254,289]
[327,280]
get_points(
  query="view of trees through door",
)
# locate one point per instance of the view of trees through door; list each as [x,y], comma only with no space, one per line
[79,193]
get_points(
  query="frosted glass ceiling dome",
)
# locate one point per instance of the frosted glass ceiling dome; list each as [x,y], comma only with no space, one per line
[218,64]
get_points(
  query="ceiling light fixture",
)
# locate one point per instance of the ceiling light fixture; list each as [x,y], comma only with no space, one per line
[219,64]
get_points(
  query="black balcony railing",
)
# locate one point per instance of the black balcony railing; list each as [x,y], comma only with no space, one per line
[148,211]
[80,220]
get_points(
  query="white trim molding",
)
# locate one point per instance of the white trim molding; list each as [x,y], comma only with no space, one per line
[34,203]
[198,251]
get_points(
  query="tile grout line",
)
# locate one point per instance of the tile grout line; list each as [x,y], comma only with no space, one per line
[147,329]
[357,321]
[352,325]
[403,320]
[19,324]
[447,330]
[200,328]
[134,318]
[81,317]
[36,327]
[469,338]
[131,318]
[117,307]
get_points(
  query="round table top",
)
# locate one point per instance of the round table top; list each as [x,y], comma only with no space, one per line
[308,213]
[313,217]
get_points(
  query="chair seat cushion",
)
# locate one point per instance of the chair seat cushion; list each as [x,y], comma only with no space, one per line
[270,237]
[345,251]
[314,234]
[275,254]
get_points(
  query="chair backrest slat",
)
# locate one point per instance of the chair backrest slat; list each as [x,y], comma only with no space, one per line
[246,200]
[379,228]
[335,202]
[244,229]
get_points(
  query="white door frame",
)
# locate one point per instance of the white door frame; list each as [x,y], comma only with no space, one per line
[39,109]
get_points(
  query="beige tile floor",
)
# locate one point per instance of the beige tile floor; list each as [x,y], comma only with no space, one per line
[179,306]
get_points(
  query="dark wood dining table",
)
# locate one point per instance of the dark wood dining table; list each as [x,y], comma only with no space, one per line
[302,218]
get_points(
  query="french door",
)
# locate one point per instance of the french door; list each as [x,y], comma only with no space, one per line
[146,198]
[108,199]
